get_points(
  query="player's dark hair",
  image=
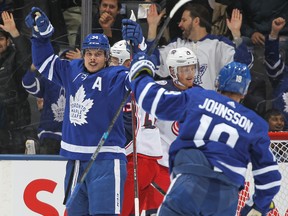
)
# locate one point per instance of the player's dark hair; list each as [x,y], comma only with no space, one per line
[198,10]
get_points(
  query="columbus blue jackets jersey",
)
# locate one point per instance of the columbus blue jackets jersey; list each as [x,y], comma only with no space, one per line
[228,134]
[168,129]
[92,100]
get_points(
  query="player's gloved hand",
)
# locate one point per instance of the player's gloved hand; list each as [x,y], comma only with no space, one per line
[39,22]
[254,212]
[248,210]
[131,31]
[141,64]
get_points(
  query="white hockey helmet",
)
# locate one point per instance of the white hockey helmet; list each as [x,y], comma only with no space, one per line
[120,51]
[180,57]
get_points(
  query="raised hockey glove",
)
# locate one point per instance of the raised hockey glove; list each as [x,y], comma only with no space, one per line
[131,31]
[141,64]
[39,23]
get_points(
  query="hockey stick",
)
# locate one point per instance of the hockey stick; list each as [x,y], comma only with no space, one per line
[67,191]
[95,154]
[165,24]
[134,127]
[158,188]
[106,134]
[135,159]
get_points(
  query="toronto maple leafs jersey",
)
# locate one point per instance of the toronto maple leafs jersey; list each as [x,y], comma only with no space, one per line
[229,134]
[51,119]
[212,51]
[278,75]
[92,100]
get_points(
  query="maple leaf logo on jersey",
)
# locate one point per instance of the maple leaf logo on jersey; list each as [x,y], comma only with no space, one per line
[79,107]
[175,128]
[285,99]
[198,76]
[58,109]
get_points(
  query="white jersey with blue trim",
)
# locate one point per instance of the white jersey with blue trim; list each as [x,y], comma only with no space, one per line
[148,141]
[213,52]
[92,100]
[229,134]
[168,129]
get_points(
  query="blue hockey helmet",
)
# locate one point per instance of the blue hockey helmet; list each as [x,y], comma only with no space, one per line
[234,77]
[97,41]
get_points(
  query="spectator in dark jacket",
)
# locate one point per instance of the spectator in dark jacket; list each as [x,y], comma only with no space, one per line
[107,20]
[15,108]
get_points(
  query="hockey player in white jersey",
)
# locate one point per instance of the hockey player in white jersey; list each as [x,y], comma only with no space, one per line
[153,136]
[94,93]
[120,55]
[212,51]
[217,139]
[182,64]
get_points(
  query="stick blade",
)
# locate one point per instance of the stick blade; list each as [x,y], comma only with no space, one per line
[177,6]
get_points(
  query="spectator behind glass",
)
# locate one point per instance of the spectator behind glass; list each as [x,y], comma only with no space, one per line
[276,69]
[257,17]
[107,21]
[15,109]
[51,108]
[72,16]
[275,119]
[212,51]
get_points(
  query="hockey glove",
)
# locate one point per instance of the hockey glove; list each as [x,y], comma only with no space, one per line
[39,22]
[248,210]
[141,64]
[131,31]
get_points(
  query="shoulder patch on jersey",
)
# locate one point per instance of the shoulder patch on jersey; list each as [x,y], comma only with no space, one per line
[232,104]
[161,82]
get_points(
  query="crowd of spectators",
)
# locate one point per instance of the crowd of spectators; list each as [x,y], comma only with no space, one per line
[19,115]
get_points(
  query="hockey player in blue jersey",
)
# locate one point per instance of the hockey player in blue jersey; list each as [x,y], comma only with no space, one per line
[94,93]
[217,139]
[52,112]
